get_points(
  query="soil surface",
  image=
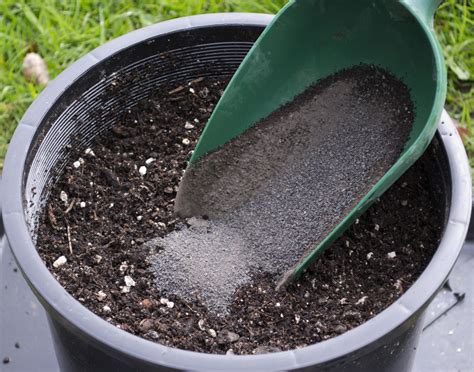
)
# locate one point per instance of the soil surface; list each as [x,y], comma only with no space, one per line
[102,210]
[273,193]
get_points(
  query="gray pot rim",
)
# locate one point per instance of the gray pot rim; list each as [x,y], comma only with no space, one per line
[106,336]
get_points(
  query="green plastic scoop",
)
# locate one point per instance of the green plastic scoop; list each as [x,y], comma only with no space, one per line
[311,39]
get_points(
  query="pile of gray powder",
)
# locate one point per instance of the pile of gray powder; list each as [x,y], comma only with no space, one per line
[273,192]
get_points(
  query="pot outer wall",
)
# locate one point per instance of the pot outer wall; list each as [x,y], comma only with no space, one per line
[207,45]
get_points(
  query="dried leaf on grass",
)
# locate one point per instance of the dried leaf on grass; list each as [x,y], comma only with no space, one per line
[35,69]
[462,130]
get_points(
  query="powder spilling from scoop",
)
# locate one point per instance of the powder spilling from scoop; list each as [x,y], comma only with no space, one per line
[273,192]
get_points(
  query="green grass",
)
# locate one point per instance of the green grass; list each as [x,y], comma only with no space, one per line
[62,31]
[455,28]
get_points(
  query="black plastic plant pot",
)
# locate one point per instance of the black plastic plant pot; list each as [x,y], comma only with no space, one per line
[73,109]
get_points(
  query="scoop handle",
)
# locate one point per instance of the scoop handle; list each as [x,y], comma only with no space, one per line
[424,9]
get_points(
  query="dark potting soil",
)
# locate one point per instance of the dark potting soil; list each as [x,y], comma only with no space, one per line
[272,193]
[100,214]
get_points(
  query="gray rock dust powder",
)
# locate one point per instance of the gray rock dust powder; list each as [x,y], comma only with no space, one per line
[276,190]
